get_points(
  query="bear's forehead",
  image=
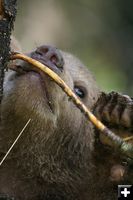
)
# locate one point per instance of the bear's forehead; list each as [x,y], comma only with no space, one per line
[79,72]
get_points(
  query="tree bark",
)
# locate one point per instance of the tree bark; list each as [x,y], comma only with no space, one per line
[7,17]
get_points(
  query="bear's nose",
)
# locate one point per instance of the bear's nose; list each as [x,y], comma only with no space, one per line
[51,55]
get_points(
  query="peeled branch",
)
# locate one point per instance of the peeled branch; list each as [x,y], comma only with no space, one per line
[125,147]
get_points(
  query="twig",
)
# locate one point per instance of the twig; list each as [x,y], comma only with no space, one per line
[3,159]
[125,147]
[128,138]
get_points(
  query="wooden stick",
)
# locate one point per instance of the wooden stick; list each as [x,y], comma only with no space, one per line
[125,147]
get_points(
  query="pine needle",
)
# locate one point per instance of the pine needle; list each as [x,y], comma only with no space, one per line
[9,150]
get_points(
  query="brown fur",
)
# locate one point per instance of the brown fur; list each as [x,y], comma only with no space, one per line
[53,158]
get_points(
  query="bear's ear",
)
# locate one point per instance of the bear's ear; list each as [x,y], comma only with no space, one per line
[15,45]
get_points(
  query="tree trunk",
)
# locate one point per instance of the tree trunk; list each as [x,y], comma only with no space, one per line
[7,17]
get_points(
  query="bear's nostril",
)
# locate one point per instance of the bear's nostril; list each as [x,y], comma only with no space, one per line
[44,50]
[41,51]
[54,59]
[38,53]
[51,56]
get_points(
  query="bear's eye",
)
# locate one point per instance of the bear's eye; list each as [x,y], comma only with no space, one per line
[80,91]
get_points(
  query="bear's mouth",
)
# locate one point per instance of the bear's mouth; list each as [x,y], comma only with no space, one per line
[27,70]
[48,56]
[21,67]
[44,82]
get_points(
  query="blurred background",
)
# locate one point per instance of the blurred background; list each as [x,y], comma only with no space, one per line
[99,32]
